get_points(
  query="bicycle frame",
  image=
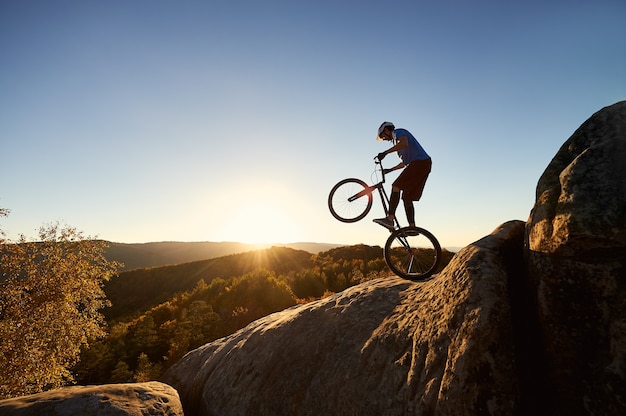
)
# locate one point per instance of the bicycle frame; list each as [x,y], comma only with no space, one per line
[384,198]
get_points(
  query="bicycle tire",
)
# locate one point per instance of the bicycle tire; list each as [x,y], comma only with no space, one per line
[412,253]
[345,210]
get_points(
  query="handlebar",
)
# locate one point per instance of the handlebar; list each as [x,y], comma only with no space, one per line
[382,170]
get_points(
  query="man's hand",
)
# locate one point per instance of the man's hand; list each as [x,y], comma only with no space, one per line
[381,155]
[386,171]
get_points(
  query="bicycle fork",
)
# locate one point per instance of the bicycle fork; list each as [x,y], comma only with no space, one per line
[411,251]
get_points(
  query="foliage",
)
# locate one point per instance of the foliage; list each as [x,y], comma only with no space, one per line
[153,286]
[3,213]
[161,336]
[51,294]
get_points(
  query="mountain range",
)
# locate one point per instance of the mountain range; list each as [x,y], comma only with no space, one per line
[165,253]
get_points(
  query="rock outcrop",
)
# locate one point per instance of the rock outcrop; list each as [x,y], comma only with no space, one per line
[576,253]
[152,398]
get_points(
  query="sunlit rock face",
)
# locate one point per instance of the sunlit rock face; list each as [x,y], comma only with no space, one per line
[581,196]
[388,347]
[576,256]
[152,398]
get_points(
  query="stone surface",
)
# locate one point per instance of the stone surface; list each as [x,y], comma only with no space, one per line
[151,398]
[581,196]
[387,347]
[576,255]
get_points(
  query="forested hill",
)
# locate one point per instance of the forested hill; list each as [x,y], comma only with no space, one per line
[137,290]
[142,255]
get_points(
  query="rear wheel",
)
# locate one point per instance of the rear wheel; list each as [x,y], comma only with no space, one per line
[350,200]
[412,253]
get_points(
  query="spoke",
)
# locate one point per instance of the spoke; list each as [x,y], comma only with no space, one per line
[411,264]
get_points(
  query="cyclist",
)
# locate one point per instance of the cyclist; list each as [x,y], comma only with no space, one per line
[411,181]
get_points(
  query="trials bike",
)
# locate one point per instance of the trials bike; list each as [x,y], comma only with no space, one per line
[410,252]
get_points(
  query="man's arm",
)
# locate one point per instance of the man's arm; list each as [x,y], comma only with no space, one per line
[403,142]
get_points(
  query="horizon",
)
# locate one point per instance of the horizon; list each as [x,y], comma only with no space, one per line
[205,122]
[264,245]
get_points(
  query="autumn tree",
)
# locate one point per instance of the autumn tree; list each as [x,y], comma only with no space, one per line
[50,296]
[3,213]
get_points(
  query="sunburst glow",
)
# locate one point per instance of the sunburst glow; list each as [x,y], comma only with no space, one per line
[258,220]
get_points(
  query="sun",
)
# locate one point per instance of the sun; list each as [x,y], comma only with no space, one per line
[259,222]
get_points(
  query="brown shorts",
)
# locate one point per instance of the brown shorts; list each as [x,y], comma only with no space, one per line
[413,178]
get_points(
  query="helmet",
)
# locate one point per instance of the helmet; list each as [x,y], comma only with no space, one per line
[382,127]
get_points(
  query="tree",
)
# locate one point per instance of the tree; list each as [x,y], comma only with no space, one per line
[146,370]
[3,213]
[121,373]
[50,297]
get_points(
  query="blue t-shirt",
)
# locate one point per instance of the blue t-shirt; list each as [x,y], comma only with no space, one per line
[414,151]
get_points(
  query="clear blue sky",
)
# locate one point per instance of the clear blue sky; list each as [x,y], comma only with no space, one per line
[139,121]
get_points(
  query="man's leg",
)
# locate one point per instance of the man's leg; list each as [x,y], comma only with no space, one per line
[410,212]
[394,200]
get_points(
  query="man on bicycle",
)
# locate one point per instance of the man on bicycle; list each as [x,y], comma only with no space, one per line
[411,181]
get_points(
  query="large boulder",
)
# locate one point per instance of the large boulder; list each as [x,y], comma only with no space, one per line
[152,398]
[576,255]
[388,347]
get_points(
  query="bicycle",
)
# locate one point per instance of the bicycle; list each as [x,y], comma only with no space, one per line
[412,253]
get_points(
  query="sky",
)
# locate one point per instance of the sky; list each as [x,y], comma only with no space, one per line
[141,121]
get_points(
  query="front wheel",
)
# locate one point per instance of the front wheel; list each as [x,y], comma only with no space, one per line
[412,253]
[350,200]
